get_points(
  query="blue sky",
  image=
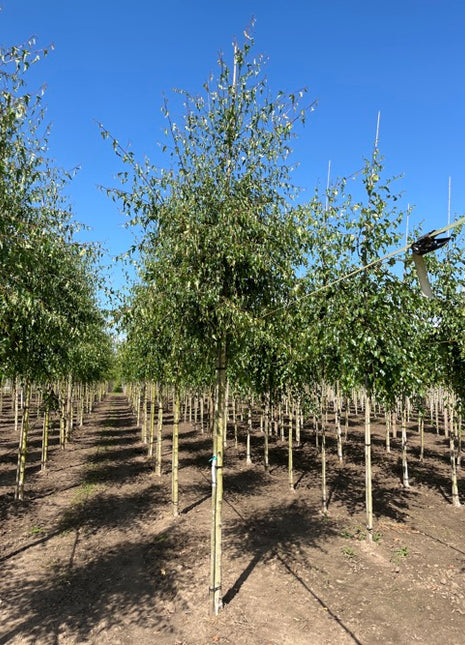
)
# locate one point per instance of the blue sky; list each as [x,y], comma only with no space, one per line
[114,61]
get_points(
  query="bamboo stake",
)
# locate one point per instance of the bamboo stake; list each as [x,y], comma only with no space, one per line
[216,601]
[152,419]
[290,456]
[175,454]
[44,451]
[158,455]
[405,478]
[248,459]
[22,448]
[368,474]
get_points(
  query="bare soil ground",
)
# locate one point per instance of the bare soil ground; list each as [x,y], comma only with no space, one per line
[93,555]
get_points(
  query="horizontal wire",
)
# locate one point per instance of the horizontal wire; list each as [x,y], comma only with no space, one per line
[364,268]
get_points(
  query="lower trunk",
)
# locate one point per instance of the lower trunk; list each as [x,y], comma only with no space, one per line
[159,434]
[453,463]
[69,408]
[388,431]
[16,404]
[324,495]
[248,458]
[22,448]
[234,411]
[216,601]
[266,433]
[337,420]
[405,480]
[201,414]
[44,452]
[152,420]
[175,453]
[62,423]
[368,483]
[421,428]
[290,456]
[143,434]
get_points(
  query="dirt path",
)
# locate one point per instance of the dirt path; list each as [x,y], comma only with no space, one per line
[94,556]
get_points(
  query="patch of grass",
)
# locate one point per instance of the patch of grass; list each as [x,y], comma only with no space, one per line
[70,516]
[346,533]
[349,552]
[357,533]
[85,490]
[401,552]
[37,530]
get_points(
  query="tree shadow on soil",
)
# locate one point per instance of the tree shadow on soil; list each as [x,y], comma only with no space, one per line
[347,486]
[199,452]
[97,511]
[282,529]
[135,583]
[279,534]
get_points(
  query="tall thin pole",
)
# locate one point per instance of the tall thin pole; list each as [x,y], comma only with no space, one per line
[377,130]
[448,202]
[406,234]
[327,186]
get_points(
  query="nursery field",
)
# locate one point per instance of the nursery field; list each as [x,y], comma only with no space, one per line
[93,554]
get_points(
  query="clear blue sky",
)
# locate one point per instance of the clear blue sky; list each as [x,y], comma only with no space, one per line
[113,62]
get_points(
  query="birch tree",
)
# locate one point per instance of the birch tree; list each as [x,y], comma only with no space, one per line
[223,235]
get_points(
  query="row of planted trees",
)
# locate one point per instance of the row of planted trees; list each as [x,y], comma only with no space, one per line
[52,332]
[244,286]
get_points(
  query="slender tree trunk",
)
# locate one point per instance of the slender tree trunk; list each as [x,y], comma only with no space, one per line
[138,397]
[234,411]
[16,404]
[394,424]
[368,474]
[22,448]
[421,428]
[158,457]
[337,421]
[297,422]
[290,464]
[143,434]
[346,417]
[201,414]
[175,453]
[81,407]
[225,422]
[446,420]
[216,601]
[266,432]
[453,463]
[44,451]
[405,479]
[152,419]
[388,418]
[62,405]
[459,446]
[69,408]
[324,493]
[248,459]
[213,409]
